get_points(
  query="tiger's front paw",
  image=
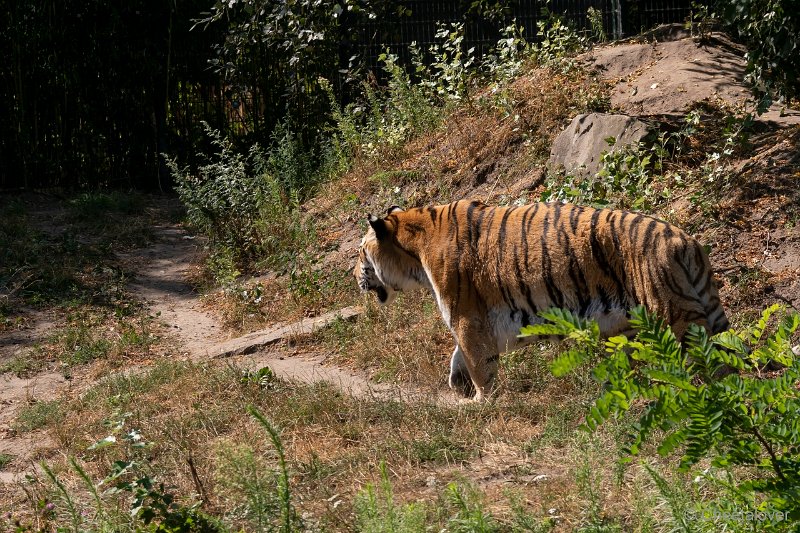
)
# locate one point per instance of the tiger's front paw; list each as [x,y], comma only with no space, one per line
[462,383]
[478,398]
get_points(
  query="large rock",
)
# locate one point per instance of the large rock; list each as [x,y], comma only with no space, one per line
[577,149]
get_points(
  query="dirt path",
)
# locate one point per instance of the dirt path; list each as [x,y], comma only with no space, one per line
[161,273]
[160,281]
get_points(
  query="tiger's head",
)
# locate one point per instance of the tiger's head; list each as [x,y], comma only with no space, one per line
[383,267]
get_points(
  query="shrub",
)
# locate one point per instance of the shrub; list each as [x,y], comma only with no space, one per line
[505,61]
[746,419]
[558,45]
[387,116]
[248,205]
[449,73]
[771,31]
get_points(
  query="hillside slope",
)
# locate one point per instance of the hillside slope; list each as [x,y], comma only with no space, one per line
[751,208]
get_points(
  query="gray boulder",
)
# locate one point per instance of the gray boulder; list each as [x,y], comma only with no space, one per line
[577,149]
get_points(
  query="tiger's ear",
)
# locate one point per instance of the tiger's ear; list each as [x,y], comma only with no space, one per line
[393,209]
[379,226]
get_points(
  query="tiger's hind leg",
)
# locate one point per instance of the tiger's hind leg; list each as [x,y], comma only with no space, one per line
[459,374]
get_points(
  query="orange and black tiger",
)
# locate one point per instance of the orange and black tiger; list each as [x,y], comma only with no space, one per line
[492,269]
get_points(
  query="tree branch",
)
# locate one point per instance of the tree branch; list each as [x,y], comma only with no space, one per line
[776,465]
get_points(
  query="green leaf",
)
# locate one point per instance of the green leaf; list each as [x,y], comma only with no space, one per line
[567,362]
[758,330]
[103,443]
[543,330]
[732,342]
[667,377]
[671,442]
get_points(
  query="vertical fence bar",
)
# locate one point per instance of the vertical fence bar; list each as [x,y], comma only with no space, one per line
[617,18]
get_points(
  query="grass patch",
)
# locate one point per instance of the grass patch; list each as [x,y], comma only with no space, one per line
[93,206]
[58,256]
[39,414]
[406,341]
[248,305]
[113,218]
[447,467]
[328,436]
[92,334]
[61,254]
[21,365]
[5,460]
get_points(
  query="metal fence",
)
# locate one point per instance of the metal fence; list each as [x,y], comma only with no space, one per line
[418,23]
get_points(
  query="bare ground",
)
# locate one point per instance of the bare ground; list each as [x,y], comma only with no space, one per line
[161,281]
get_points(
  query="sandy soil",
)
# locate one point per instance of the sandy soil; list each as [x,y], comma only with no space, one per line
[161,282]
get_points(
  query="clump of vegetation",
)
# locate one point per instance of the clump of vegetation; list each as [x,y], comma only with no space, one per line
[645,175]
[625,181]
[595,17]
[559,44]
[377,512]
[770,30]
[739,421]
[5,460]
[248,205]
[39,414]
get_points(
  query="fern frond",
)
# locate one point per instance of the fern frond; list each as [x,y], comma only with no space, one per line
[543,330]
[731,342]
[653,331]
[671,442]
[665,376]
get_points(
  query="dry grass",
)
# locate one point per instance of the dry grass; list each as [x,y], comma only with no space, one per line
[479,150]
[335,442]
[521,454]
[405,342]
[256,303]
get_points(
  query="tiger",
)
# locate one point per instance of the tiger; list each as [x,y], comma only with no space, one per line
[492,269]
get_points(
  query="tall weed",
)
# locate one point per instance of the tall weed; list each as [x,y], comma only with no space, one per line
[450,73]
[377,512]
[130,497]
[248,204]
[559,44]
[385,116]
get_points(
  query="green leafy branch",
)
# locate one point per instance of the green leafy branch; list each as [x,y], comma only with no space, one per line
[746,419]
